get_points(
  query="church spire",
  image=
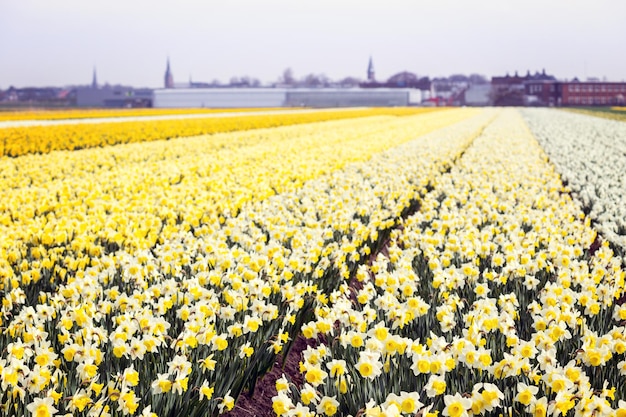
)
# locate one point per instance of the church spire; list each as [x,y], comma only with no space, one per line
[94,80]
[169,78]
[370,71]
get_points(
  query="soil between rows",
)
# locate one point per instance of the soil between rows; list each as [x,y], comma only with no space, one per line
[260,404]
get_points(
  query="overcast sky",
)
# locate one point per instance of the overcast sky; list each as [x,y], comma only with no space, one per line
[58,42]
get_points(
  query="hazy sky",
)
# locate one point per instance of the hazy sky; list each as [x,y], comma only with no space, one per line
[58,42]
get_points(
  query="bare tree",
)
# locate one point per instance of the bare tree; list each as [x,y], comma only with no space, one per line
[350,82]
[478,79]
[315,80]
[287,77]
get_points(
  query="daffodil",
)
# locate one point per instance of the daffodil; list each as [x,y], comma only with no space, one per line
[328,406]
[162,384]
[315,375]
[227,403]
[282,384]
[42,407]
[206,391]
[79,401]
[436,386]
[128,402]
[369,365]
[281,404]
[526,393]
[336,367]
[456,406]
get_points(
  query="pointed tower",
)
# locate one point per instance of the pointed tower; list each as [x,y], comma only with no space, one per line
[370,71]
[94,80]
[169,78]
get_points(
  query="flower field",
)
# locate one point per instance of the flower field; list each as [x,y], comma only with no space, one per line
[435,262]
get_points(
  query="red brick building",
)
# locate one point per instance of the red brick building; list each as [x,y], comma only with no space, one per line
[541,89]
[591,93]
[514,91]
[541,93]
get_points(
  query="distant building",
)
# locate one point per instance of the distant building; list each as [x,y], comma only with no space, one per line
[285,97]
[448,91]
[36,95]
[169,78]
[591,93]
[541,89]
[116,96]
[370,72]
[219,97]
[94,80]
[541,93]
[199,84]
[477,95]
[352,97]
[511,90]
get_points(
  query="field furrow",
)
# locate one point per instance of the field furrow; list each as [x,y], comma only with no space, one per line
[434,264]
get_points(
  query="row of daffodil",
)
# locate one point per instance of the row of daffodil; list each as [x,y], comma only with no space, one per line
[59,211]
[183,327]
[69,114]
[487,301]
[17,141]
[590,154]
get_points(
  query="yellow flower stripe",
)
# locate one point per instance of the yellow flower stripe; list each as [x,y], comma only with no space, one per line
[69,114]
[493,290]
[19,141]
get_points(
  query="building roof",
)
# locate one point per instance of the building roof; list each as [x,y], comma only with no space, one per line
[517,79]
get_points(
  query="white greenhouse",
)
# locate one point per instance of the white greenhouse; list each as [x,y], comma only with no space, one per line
[284,97]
